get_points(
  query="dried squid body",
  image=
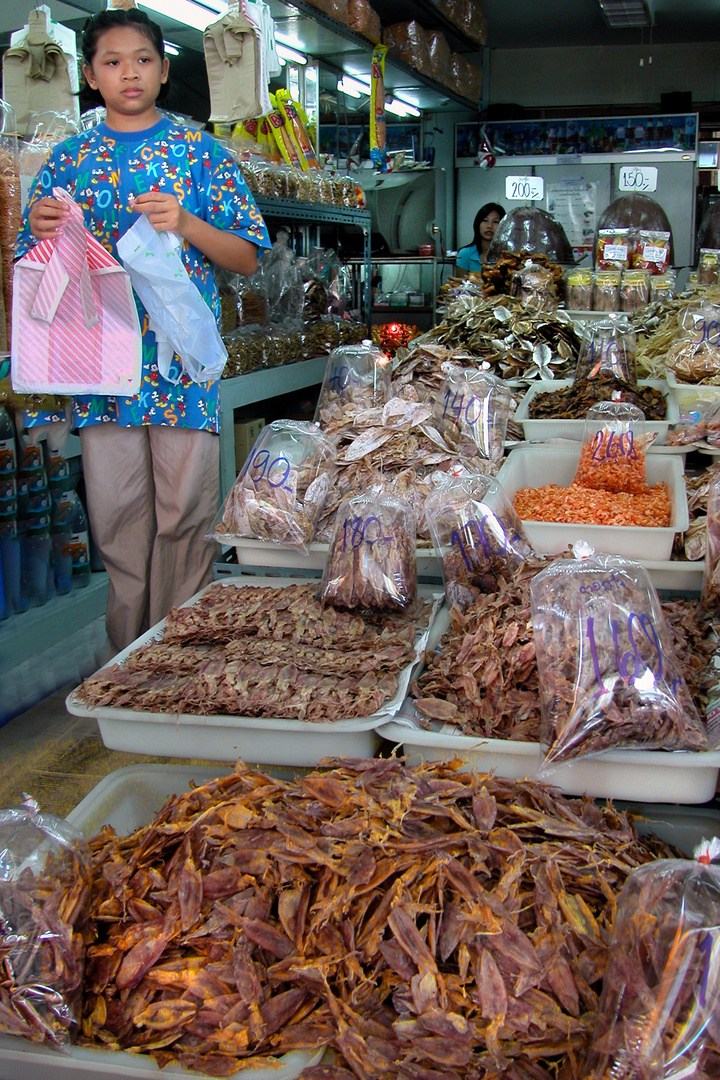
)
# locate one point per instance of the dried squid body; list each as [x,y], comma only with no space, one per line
[608,346]
[477,535]
[283,487]
[45,884]
[371,562]
[609,676]
[694,355]
[357,374]
[612,456]
[472,412]
[534,286]
[659,1014]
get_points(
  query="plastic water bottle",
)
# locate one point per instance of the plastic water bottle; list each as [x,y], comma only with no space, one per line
[10,549]
[35,546]
[4,610]
[8,446]
[69,522]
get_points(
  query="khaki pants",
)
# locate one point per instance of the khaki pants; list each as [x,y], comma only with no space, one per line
[152,494]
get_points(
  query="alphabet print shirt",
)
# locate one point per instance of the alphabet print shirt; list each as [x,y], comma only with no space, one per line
[103,170]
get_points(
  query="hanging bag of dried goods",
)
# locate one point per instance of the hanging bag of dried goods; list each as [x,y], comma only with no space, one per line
[472,412]
[45,882]
[606,290]
[659,1013]
[694,355]
[378,147]
[614,249]
[477,535]
[609,676]
[652,251]
[534,286]
[371,563]
[608,346]
[634,290]
[710,597]
[357,375]
[612,456]
[283,486]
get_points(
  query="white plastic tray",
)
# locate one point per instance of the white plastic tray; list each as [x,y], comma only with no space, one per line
[251,552]
[640,775]
[541,430]
[255,739]
[534,466]
[692,397]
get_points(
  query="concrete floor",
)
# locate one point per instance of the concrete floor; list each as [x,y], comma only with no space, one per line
[58,758]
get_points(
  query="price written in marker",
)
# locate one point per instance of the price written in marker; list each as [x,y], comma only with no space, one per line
[637,178]
[524,188]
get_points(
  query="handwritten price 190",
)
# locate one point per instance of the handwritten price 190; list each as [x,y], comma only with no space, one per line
[359,530]
[259,467]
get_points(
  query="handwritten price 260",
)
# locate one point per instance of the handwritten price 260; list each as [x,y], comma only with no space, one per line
[611,446]
[359,530]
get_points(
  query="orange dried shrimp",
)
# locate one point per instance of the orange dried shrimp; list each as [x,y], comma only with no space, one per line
[625,472]
[578,505]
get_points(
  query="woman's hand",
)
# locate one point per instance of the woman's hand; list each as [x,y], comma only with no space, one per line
[47,217]
[163,210]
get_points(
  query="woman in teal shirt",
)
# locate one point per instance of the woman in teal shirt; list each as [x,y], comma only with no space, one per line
[485,225]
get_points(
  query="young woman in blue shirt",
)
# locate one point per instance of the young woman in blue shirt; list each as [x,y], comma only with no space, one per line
[485,226]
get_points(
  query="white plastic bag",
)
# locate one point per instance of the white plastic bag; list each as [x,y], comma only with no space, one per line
[181,320]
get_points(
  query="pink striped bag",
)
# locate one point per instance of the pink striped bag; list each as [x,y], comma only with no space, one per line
[75,327]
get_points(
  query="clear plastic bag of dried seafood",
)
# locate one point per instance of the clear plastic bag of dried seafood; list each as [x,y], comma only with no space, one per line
[710,597]
[371,563]
[579,289]
[283,486]
[278,278]
[662,287]
[532,231]
[708,270]
[608,346]
[45,882]
[477,535]
[356,375]
[634,290]
[606,290]
[609,676]
[694,355]
[534,286]
[612,455]
[659,1012]
[472,412]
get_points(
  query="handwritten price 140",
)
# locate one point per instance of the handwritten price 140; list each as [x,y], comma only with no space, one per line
[462,411]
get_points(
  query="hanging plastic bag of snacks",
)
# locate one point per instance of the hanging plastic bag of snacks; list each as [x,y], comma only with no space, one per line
[357,375]
[607,347]
[606,290]
[283,486]
[708,270]
[651,251]
[371,563]
[534,286]
[612,456]
[45,884]
[472,412]
[609,676]
[662,287]
[634,290]
[710,597]
[659,1012]
[694,355]
[614,249]
[477,535]
[579,289]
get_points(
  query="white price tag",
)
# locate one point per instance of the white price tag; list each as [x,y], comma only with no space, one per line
[615,252]
[524,188]
[654,254]
[638,178]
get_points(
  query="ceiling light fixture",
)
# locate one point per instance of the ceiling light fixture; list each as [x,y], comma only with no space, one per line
[352,87]
[171,48]
[620,14]
[292,56]
[196,13]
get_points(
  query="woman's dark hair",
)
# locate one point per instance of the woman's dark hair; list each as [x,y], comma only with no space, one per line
[480,217]
[107,20]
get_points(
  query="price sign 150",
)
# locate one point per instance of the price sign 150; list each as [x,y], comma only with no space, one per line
[524,188]
[637,178]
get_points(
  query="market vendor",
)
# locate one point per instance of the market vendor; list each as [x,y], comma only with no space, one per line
[485,226]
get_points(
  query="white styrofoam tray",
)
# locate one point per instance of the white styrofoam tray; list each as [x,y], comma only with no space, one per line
[538,430]
[640,775]
[692,398]
[535,466]
[255,739]
[252,552]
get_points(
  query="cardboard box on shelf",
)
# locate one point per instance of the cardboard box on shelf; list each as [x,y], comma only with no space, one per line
[245,435]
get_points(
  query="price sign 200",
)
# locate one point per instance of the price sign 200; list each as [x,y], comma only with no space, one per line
[524,188]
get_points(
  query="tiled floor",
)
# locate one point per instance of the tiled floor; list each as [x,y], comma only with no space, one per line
[58,758]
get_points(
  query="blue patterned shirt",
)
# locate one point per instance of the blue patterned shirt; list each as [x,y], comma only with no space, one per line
[103,170]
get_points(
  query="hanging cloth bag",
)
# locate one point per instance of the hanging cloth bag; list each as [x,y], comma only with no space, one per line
[75,327]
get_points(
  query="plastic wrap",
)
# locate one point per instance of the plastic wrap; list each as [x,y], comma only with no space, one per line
[359,375]
[609,676]
[409,41]
[659,1012]
[708,271]
[371,563]
[710,597]
[614,249]
[468,16]
[612,455]
[283,486]
[534,286]
[465,77]
[45,881]
[606,290]
[10,204]
[279,279]
[364,20]
[662,287]
[652,251]
[608,346]
[439,55]
[694,355]
[477,535]
[532,231]
[472,412]
[634,290]
[579,289]
[44,131]
[635,212]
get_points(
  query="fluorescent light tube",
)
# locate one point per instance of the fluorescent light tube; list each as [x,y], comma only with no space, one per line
[291,55]
[347,90]
[353,87]
[398,108]
[196,13]
[171,48]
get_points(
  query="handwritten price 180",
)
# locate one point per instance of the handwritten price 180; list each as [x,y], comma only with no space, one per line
[359,530]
